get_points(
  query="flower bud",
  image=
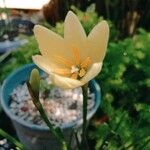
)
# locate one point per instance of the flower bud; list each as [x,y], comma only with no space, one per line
[35,82]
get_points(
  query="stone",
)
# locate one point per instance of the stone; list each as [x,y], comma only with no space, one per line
[62,106]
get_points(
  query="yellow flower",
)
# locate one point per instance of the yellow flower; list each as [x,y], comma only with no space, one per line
[72,60]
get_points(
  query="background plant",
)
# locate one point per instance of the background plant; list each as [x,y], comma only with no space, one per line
[122,121]
[126,15]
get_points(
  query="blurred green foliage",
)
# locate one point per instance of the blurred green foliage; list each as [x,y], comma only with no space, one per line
[126,95]
[17,58]
[123,119]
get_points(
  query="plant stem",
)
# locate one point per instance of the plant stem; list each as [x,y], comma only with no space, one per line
[55,131]
[70,138]
[85,98]
[11,139]
[77,140]
[64,146]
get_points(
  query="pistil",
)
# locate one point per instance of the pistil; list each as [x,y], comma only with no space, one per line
[74,69]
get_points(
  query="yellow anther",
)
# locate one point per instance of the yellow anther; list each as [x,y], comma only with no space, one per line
[82,73]
[86,63]
[64,61]
[74,76]
[76,55]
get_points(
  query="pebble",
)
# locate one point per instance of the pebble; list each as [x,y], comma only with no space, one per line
[61,106]
[2,142]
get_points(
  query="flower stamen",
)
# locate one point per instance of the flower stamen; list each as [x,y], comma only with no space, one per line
[63,72]
[76,55]
[75,70]
[64,61]
[74,76]
[86,62]
[82,73]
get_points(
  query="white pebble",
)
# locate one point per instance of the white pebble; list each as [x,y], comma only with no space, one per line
[62,106]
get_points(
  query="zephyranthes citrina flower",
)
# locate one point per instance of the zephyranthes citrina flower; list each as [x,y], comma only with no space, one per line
[72,60]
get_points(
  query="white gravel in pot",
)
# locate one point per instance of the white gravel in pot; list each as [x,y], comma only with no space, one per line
[61,106]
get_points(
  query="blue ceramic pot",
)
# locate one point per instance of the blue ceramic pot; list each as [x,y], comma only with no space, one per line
[35,137]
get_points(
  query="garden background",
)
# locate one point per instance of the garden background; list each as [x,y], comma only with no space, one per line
[123,119]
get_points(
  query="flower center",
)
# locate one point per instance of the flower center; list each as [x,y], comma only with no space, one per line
[76,69]
[77,72]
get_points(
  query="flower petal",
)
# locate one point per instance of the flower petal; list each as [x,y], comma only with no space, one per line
[50,43]
[93,72]
[43,63]
[97,41]
[74,33]
[64,82]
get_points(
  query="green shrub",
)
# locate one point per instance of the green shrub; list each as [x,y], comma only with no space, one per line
[123,118]
[18,58]
[88,19]
[125,95]
[125,74]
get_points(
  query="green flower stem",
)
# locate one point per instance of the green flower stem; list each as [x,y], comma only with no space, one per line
[12,139]
[85,99]
[64,146]
[70,138]
[77,140]
[55,131]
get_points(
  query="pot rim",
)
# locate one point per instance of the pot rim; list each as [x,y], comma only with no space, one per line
[38,127]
